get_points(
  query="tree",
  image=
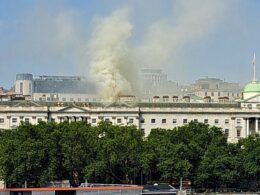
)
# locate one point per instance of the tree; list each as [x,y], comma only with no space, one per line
[118,154]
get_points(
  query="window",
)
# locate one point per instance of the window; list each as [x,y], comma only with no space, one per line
[86,99]
[30,88]
[48,99]
[79,99]
[53,120]
[93,120]
[226,121]
[174,120]
[39,120]
[212,93]
[64,99]
[185,121]
[238,121]
[142,120]
[226,133]
[206,94]
[152,120]
[14,120]
[71,99]
[143,130]
[2,120]
[206,121]
[26,120]
[21,88]
[40,98]
[107,120]
[216,121]
[131,120]
[195,120]
[163,121]
[218,93]
[238,132]
[119,120]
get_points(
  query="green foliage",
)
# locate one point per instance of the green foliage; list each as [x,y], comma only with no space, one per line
[107,153]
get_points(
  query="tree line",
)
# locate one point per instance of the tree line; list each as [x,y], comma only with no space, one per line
[77,151]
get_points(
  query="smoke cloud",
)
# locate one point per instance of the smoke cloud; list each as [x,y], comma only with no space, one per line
[110,55]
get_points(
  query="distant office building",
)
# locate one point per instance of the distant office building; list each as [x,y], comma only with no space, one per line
[157,88]
[216,90]
[55,88]
[155,83]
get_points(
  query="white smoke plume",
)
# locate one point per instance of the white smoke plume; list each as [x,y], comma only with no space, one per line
[113,62]
[109,55]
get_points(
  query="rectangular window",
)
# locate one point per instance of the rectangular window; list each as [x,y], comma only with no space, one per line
[21,88]
[218,93]
[142,120]
[195,120]
[79,99]
[26,120]
[2,120]
[226,121]
[107,120]
[131,120]
[185,121]
[212,93]
[206,121]
[119,120]
[216,121]
[238,132]
[238,121]
[64,99]
[174,121]
[93,120]
[30,88]
[71,99]
[14,120]
[152,120]
[48,99]
[86,100]
[163,121]
[39,120]
[226,133]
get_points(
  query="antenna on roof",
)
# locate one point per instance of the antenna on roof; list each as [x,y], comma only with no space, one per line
[253,62]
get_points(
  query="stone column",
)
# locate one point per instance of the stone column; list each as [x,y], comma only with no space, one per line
[247,127]
[233,131]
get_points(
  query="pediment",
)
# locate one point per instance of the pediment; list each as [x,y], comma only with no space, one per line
[73,109]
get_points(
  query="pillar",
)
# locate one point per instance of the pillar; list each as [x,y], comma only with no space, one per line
[247,127]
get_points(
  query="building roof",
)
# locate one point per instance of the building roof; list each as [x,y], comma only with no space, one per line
[254,86]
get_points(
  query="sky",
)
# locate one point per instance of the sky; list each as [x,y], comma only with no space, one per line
[187,39]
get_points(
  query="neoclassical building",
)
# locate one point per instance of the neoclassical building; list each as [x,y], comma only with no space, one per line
[238,119]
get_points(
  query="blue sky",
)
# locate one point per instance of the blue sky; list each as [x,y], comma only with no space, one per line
[46,37]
